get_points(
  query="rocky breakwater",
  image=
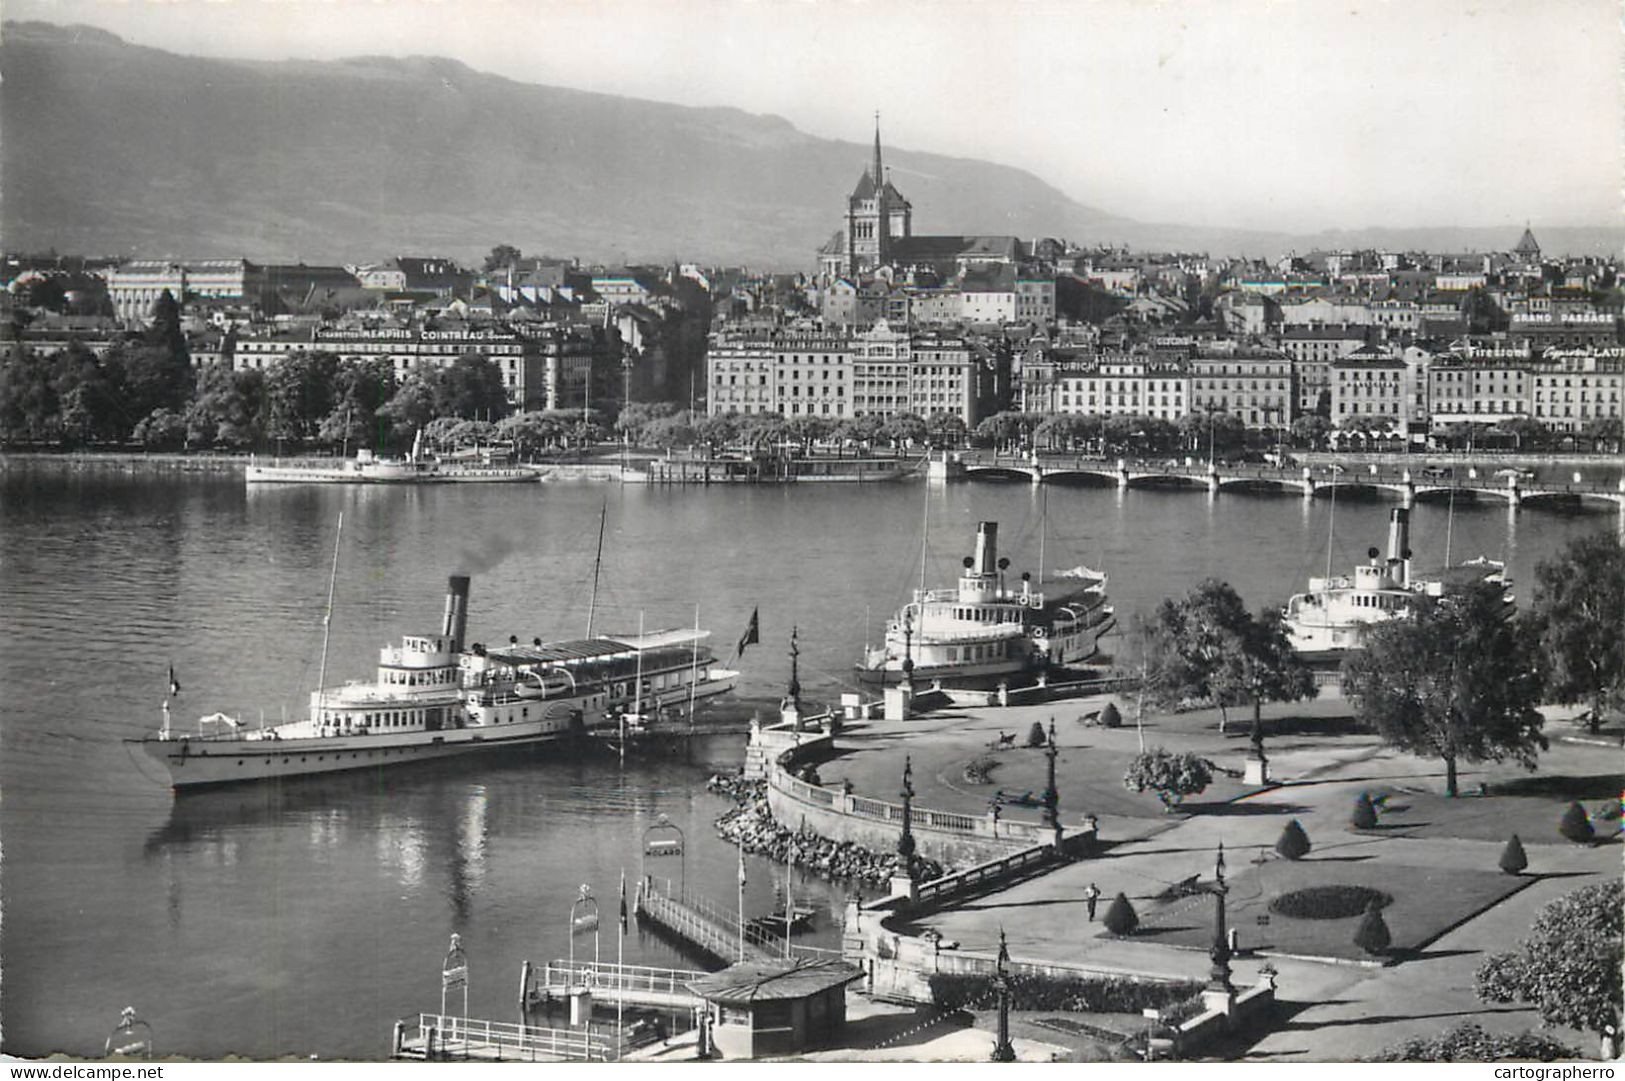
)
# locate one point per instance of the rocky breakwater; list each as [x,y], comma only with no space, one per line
[750,825]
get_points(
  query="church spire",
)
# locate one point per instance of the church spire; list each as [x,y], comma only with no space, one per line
[879,177]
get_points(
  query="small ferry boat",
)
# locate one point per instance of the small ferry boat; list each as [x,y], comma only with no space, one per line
[433,697]
[369,468]
[984,630]
[1334,614]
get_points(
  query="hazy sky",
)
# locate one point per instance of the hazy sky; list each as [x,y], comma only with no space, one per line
[1299,116]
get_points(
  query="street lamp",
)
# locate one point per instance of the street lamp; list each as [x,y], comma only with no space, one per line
[1052,796]
[1003,1049]
[587,922]
[1219,952]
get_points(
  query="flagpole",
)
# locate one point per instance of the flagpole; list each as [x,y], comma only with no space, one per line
[620,976]
[741,902]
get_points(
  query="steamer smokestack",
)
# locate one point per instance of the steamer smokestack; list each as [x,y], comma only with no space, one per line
[455,624]
[987,547]
[1399,544]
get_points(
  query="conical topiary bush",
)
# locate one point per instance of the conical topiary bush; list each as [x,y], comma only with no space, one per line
[1110,718]
[1576,825]
[1120,918]
[1293,843]
[1513,859]
[1365,815]
[1372,935]
[1036,736]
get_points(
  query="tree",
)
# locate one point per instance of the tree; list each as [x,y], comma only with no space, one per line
[360,389]
[1171,776]
[1578,598]
[225,411]
[1372,934]
[667,432]
[1529,433]
[162,429]
[1002,429]
[299,392]
[635,415]
[1293,844]
[1311,431]
[1513,859]
[1365,813]
[1120,917]
[1468,1042]
[412,406]
[947,429]
[472,388]
[904,428]
[1036,736]
[502,256]
[1575,825]
[1455,681]
[1206,647]
[1110,717]
[1569,966]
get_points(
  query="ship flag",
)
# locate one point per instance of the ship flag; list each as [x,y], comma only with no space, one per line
[623,900]
[174,685]
[753,632]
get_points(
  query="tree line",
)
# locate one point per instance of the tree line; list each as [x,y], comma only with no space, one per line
[145,390]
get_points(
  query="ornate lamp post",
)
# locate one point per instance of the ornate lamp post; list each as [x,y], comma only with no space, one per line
[908,648]
[905,842]
[1218,980]
[790,708]
[1003,1050]
[1052,795]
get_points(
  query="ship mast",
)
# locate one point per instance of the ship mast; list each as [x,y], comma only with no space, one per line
[327,620]
[1043,530]
[592,603]
[925,533]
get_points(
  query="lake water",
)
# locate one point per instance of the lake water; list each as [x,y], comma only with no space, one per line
[303,921]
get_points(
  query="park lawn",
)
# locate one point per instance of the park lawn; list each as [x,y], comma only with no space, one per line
[1529,806]
[1428,901]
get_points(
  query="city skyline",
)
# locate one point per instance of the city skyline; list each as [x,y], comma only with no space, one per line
[1260,116]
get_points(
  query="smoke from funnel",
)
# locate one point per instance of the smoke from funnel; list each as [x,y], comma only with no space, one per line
[486,557]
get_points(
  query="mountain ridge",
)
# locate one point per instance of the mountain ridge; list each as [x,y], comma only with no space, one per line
[113,147]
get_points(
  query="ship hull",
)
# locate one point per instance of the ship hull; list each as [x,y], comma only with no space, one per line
[207,763]
[293,475]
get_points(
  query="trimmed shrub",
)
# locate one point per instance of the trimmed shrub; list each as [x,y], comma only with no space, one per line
[1036,737]
[1365,815]
[1372,935]
[1328,902]
[1121,919]
[1468,1042]
[1576,826]
[1293,843]
[1513,859]
[1110,718]
[1081,994]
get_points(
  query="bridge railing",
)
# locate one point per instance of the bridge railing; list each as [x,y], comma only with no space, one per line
[611,977]
[443,1036]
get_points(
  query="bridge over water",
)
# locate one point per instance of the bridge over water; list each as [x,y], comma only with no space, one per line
[1408,485]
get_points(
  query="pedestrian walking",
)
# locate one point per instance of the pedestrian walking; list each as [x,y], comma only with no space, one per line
[1091,897]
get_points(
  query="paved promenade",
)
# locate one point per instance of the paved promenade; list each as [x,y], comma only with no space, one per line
[1334,1010]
